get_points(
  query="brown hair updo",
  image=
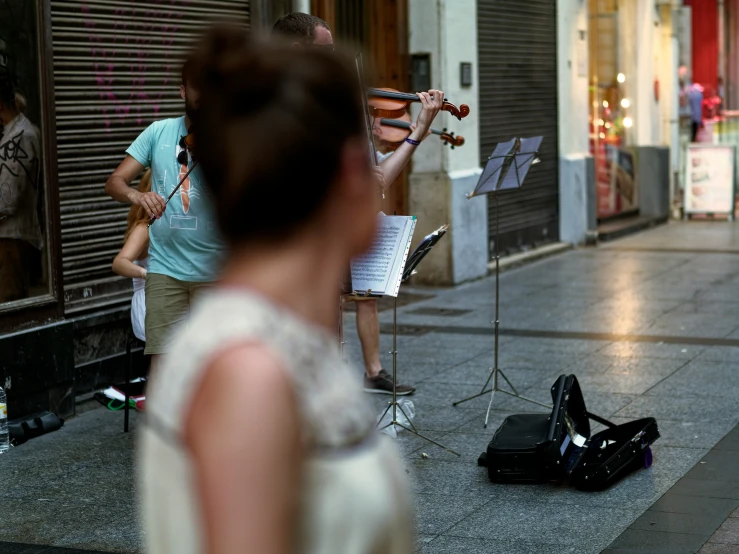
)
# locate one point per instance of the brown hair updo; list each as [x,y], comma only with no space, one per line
[270,129]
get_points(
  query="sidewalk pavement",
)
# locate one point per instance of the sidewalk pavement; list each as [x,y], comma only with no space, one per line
[650,326]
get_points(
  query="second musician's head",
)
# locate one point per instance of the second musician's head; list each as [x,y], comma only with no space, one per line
[281,141]
[303,30]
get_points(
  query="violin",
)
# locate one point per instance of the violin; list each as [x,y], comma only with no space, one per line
[395,131]
[187,143]
[392,104]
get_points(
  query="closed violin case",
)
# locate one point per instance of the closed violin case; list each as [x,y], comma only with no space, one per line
[536,448]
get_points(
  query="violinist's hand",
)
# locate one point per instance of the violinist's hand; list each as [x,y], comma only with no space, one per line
[414,127]
[151,202]
[379,174]
[431,103]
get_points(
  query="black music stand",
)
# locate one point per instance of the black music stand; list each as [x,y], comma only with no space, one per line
[506,169]
[414,259]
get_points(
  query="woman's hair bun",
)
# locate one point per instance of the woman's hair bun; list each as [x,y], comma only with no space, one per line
[270,127]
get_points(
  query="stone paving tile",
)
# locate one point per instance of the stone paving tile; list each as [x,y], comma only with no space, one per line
[692,325]
[671,522]
[655,542]
[652,350]
[437,513]
[638,366]
[715,548]
[618,303]
[442,419]
[114,531]
[476,371]
[701,306]
[621,383]
[682,408]
[514,520]
[602,403]
[422,540]
[692,505]
[728,354]
[20,548]
[459,545]
[529,346]
[706,488]
[452,479]
[475,425]
[701,379]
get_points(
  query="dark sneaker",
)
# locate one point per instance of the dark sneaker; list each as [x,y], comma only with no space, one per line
[383,384]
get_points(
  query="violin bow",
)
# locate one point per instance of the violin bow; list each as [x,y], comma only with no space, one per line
[368,123]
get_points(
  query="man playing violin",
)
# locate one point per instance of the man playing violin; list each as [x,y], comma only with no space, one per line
[185,247]
[309,31]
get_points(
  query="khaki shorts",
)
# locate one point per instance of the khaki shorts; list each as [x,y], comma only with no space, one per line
[168,302]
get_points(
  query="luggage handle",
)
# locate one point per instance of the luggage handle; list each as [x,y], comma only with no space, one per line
[600,420]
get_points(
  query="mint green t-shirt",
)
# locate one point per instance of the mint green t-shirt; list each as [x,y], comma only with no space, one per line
[184,243]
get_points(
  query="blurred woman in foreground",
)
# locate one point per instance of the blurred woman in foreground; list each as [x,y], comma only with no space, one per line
[258,438]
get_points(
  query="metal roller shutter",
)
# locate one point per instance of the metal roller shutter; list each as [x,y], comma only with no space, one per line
[116,69]
[517,48]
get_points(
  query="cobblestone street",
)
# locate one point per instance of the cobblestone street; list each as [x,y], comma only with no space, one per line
[649,325]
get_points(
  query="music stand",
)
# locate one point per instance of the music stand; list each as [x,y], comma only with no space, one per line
[518,155]
[414,259]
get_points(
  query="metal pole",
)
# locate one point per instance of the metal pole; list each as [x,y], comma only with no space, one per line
[341,326]
[497,287]
[497,307]
[395,356]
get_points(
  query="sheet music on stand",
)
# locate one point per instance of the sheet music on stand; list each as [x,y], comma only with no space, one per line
[379,272]
[508,165]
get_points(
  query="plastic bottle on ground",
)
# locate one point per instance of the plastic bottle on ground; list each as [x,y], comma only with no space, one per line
[4,437]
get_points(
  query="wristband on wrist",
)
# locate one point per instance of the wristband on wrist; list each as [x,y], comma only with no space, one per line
[409,140]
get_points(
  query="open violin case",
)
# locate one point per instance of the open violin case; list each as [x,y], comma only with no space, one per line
[536,448]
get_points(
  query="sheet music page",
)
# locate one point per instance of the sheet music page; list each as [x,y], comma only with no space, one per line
[514,178]
[488,181]
[380,269]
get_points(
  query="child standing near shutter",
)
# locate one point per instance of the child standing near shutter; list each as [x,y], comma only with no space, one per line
[132,260]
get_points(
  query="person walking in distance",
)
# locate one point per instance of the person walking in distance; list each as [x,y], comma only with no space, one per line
[308,31]
[185,246]
[258,439]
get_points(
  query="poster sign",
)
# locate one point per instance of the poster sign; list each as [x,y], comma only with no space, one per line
[624,177]
[617,187]
[709,180]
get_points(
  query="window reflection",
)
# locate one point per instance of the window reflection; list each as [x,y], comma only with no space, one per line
[23,270]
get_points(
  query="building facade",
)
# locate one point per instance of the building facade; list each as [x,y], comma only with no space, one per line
[597,79]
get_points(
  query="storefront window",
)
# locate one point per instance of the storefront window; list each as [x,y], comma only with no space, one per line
[23,238]
[611,112]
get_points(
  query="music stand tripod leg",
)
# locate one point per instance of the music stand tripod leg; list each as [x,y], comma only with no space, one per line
[394,404]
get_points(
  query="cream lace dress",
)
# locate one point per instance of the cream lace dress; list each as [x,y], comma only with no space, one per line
[354,497]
